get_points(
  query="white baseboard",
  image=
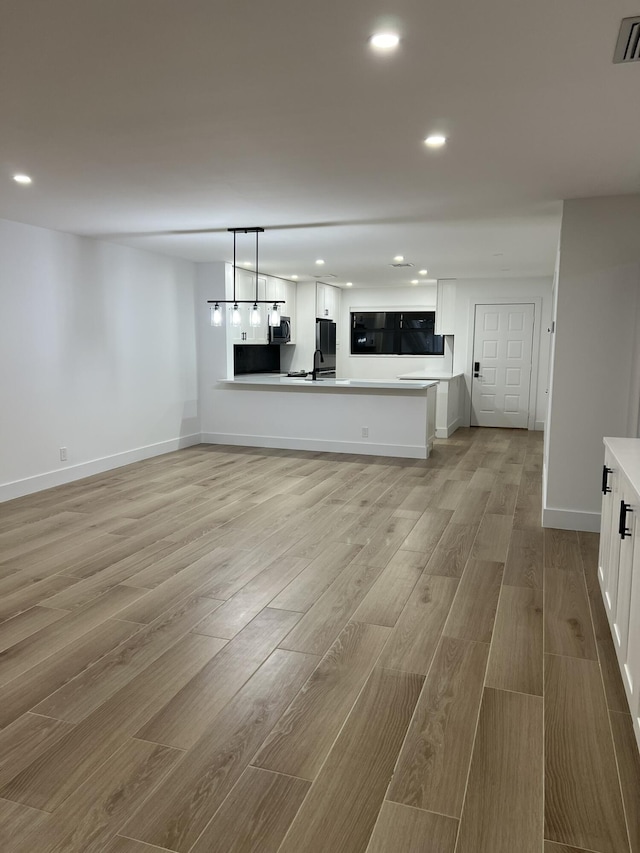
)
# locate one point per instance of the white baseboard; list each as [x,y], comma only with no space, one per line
[568,519]
[453,426]
[539,425]
[285,443]
[29,485]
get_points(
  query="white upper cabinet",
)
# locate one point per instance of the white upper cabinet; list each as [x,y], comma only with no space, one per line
[445,306]
[327,301]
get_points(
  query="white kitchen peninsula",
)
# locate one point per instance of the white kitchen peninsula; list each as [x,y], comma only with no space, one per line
[391,418]
[450,398]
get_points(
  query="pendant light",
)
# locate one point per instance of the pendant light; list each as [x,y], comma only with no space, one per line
[254,314]
[274,315]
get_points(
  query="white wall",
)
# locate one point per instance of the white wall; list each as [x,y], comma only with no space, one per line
[97,354]
[383,367]
[595,375]
[468,294]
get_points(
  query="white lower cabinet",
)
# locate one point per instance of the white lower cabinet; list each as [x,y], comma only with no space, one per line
[619,560]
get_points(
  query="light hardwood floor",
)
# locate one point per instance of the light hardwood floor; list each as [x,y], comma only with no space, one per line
[225,650]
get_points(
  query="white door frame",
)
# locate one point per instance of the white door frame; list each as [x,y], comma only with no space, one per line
[535,352]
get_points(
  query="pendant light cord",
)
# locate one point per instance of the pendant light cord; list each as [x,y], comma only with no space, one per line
[257,267]
[234,266]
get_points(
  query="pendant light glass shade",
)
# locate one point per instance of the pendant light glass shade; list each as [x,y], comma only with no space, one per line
[274,315]
[254,318]
[216,315]
[236,319]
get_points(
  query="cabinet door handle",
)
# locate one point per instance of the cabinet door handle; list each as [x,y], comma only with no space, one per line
[606,488]
[623,530]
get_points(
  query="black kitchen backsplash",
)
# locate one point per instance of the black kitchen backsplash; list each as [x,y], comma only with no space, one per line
[256,359]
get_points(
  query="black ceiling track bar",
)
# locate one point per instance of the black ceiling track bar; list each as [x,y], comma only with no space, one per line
[246,230]
[246,301]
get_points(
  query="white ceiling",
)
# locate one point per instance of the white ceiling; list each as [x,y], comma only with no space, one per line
[161,123]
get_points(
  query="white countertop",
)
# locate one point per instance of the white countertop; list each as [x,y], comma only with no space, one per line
[627,454]
[282,381]
[429,374]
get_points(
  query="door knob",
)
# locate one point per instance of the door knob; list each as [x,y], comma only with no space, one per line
[476,369]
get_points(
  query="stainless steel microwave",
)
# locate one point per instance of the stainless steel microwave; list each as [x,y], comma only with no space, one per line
[280,334]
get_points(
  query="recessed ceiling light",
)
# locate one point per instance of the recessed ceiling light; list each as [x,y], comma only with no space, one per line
[246,263]
[423,272]
[349,284]
[319,262]
[22,179]
[384,41]
[414,281]
[294,277]
[399,258]
[435,141]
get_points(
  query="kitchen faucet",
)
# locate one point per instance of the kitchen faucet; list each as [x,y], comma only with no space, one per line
[316,364]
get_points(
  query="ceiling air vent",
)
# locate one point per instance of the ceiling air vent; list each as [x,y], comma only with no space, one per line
[628,46]
[403,264]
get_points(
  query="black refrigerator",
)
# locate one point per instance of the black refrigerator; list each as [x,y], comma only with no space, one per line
[326,343]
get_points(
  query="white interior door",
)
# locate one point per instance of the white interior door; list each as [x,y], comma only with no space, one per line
[502,352]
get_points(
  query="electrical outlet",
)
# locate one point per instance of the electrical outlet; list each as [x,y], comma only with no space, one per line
[365,432]
[63,454]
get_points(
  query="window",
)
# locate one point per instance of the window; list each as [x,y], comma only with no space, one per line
[395,333]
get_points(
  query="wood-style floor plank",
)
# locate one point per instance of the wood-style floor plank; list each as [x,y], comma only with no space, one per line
[24,740]
[180,809]
[629,768]
[15,822]
[385,600]
[322,623]
[35,593]
[140,647]
[27,623]
[44,643]
[452,551]
[414,639]
[492,540]
[400,828]
[503,809]
[583,805]
[567,619]
[255,816]
[66,765]
[474,608]
[426,532]
[525,558]
[354,777]
[303,737]
[120,844]
[92,814]
[181,721]
[516,660]
[240,609]
[561,550]
[434,763]
[302,593]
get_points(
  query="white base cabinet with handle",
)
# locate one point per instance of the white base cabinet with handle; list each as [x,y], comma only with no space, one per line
[619,561]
